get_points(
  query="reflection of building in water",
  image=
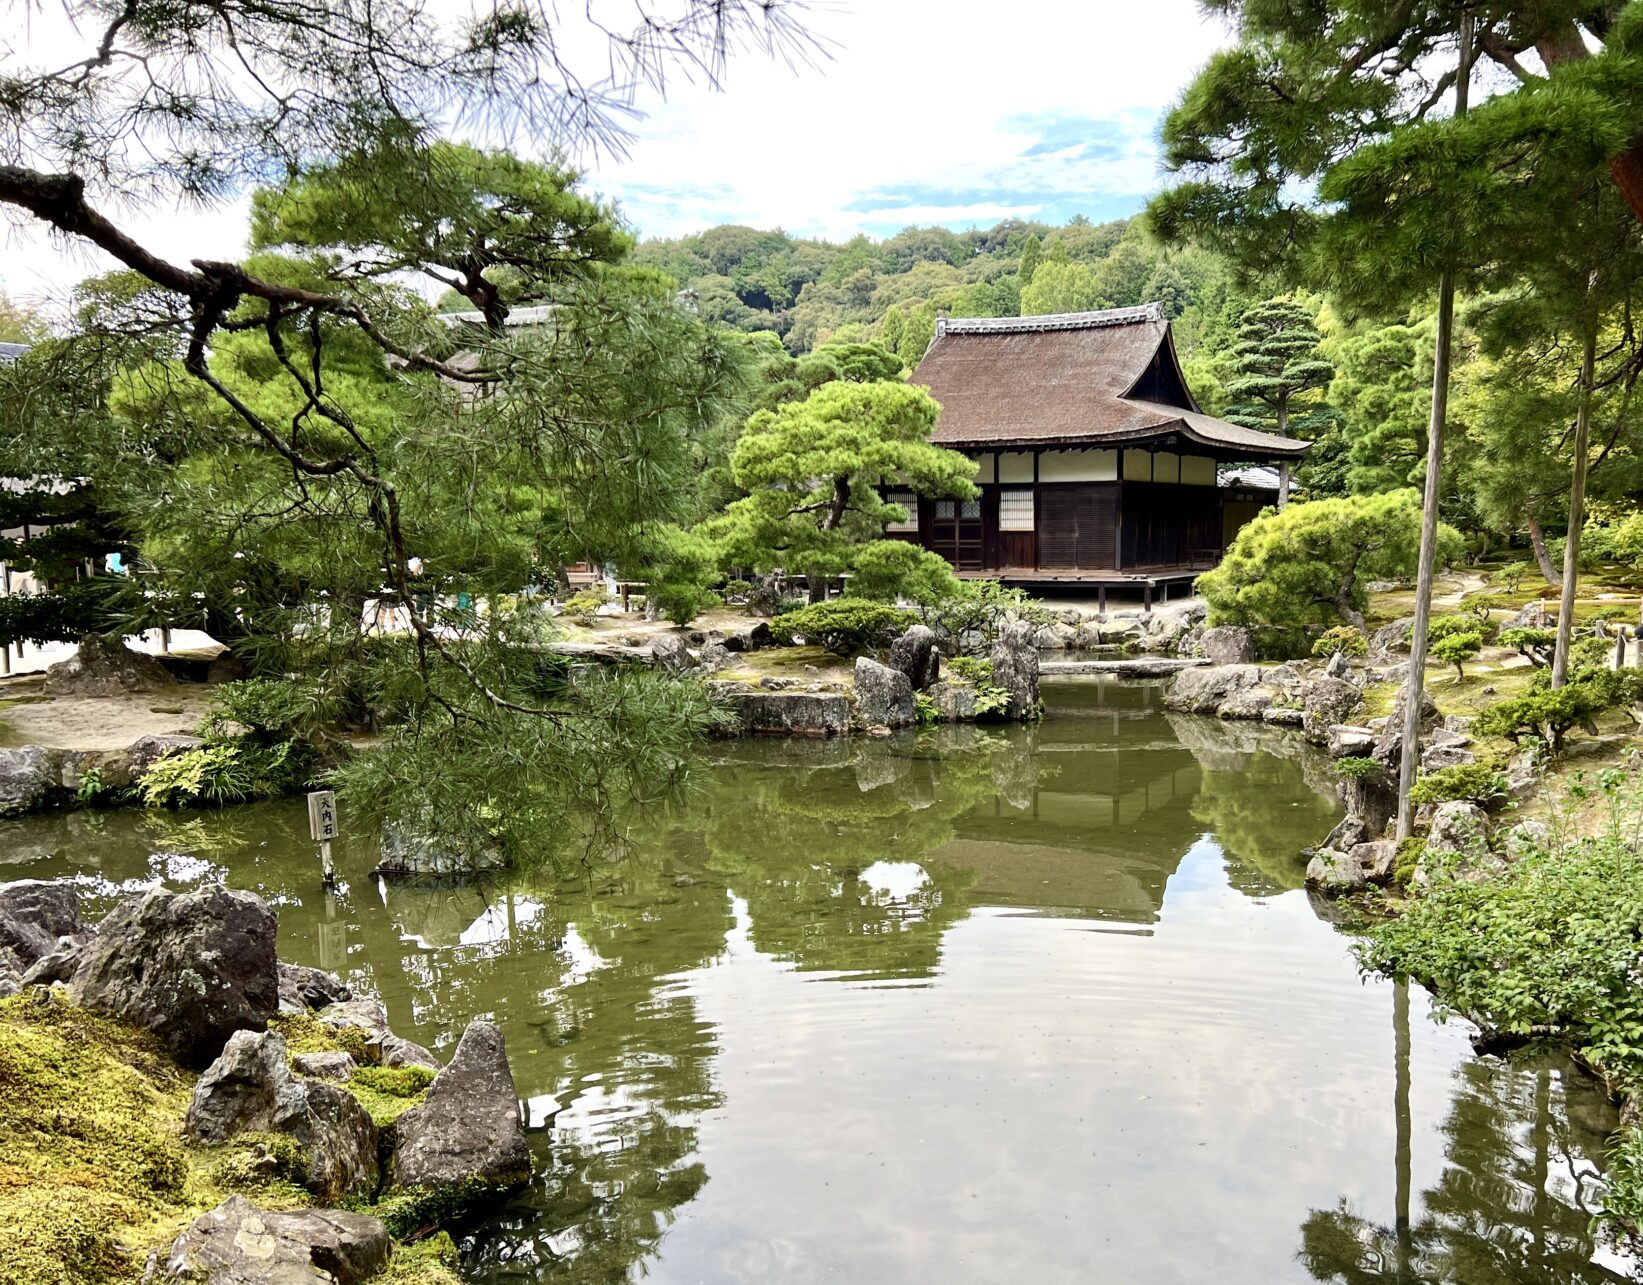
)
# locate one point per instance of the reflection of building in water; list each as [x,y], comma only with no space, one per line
[1113,803]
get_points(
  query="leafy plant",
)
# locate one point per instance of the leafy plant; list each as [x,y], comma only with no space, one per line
[1342,638]
[991,700]
[1509,577]
[1549,713]
[970,669]
[1358,769]
[264,710]
[1456,647]
[1534,645]
[1478,783]
[844,626]
[974,616]
[925,709]
[583,605]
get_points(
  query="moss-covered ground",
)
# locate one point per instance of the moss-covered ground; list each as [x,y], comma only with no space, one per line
[94,1170]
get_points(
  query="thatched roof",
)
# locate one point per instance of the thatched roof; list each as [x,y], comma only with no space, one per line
[1075,379]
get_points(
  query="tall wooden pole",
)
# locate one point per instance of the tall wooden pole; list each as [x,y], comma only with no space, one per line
[1577,508]
[1414,688]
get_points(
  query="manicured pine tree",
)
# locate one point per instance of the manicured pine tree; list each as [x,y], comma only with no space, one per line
[1276,364]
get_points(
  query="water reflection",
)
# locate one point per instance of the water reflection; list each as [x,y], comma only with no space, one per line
[952,1006]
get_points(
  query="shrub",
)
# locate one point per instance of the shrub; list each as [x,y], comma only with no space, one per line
[583,605]
[1342,638]
[1456,648]
[1441,627]
[1590,653]
[890,570]
[1358,769]
[234,771]
[1476,783]
[679,573]
[1534,645]
[1509,577]
[1550,713]
[268,709]
[844,626]
[682,602]
[979,610]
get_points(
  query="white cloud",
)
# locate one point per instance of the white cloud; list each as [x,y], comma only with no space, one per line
[958,112]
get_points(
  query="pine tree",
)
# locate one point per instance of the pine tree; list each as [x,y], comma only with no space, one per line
[1277,364]
[1032,254]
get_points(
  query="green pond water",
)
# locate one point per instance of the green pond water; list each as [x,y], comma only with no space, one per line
[1032,1005]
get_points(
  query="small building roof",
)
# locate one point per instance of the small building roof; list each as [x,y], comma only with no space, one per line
[10,352]
[1107,378]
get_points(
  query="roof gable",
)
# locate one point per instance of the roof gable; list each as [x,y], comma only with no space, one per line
[1074,379]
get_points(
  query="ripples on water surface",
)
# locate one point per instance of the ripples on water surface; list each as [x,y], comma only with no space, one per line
[1029,1005]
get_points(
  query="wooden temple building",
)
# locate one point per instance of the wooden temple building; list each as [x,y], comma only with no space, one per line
[1096,466]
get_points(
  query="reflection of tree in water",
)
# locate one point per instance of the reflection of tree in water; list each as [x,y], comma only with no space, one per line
[1251,798]
[1516,1199]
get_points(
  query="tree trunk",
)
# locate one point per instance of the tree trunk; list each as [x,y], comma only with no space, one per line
[836,509]
[1537,542]
[1567,45]
[1577,511]
[1414,687]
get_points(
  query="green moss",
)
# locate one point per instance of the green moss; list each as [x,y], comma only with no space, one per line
[387,1093]
[428,1262]
[305,1033]
[411,1212]
[1407,860]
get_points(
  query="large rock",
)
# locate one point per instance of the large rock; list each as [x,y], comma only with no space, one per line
[1204,689]
[467,1129]
[1015,669]
[1458,827]
[191,967]
[103,665]
[671,654]
[955,702]
[1389,743]
[1328,701]
[1228,645]
[1338,873]
[250,1089]
[38,919]
[239,1244]
[1391,638]
[783,713]
[28,778]
[915,655]
[1346,741]
[884,696]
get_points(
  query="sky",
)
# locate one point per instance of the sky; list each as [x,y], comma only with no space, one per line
[952,112]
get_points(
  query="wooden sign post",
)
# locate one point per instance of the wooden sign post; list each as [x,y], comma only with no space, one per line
[322,825]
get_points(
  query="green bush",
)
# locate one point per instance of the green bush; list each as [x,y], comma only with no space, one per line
[235,771]
[1441,627]
[1590,653]
[979,610]
[1550,713]
[268,709]
[1476,783]
[682,602]
[1358,769]
[1342,638]
[844,626]
[1510,577]
[1534,645]
[583,605]
[890,570]
[1456,648]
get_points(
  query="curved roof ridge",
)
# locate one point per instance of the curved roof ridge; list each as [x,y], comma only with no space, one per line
[1153,312]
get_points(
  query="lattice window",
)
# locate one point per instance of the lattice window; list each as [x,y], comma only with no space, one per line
[908,501]
[1015,510]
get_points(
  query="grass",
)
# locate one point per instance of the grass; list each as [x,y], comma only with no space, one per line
[95,1171]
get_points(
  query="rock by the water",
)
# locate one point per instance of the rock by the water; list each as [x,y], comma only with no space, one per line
[370,1016]
[1389,744]
[303,988]
[38,919]
[467,1128]
[191,967]
[28,778]
[1204,690]
[955,702]
[1228,645]
[102,665]
[1327,701]
[251,1089]
[884,696]
[1015,669]
[240,1244]
[1250,703]
[1346,741]
[1336,873]
[757,712]
[915,655]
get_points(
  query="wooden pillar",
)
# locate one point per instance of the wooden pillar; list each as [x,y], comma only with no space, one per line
[1101,600]
[1146,597]
[1283,484]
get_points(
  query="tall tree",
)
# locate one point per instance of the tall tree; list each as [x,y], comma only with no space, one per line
[1278,371]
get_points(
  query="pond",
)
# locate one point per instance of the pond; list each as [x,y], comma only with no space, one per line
[1043,1004]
